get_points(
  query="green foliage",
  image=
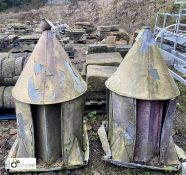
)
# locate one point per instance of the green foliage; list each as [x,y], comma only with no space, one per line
[5,4]
[181,105]
[91,117]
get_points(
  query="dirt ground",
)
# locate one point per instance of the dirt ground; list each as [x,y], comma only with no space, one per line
[96,165]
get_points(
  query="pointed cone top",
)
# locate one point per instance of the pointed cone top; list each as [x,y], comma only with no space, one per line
[45,24]
[48,77]
[143,73]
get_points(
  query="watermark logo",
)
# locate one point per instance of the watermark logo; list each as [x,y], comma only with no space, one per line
[23,163]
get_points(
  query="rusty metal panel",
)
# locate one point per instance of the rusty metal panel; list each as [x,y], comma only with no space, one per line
[123,128]
[167,131]
[72,131]
[47,126]
[148,128]
[143,74]
[25,130]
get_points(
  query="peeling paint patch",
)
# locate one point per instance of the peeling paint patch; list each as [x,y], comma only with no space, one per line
[20,123]
[148,41]
[129,135]
[77,82]
[52,95]
[154,73]
[32,92]
[62,79]
[37,68]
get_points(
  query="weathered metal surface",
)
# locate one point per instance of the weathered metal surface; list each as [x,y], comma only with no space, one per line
[140,123]
[148,128]
[122,130]
[140,133]
[105,144]
[47,119]
[12,153]
[143,73]
[169,168]
[25,125]
[72,131]
[52,168]
[172,155]
[167,131]
[49,77]
[50,92]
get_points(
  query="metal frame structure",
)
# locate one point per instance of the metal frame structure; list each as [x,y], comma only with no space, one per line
[180,2]
[171,38]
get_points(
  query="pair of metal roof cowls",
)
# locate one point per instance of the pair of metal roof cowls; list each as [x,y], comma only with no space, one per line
[49,99]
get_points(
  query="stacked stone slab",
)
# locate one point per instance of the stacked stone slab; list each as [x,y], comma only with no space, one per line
[6,99]
[29,39]
[76,34]
[96,77]
[18,28]
[113,30]
[11,66]
[3,42]
[105,29]
[85,25]
[7,41]
[97,69]
[106,48]
[10,69]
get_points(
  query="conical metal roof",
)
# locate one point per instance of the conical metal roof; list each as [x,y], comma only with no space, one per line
[143,73]
[48,77]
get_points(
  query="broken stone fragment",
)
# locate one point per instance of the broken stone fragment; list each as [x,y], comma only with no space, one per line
[13,131]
